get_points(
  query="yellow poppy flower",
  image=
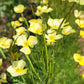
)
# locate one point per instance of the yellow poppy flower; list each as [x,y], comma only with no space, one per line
[55,23]
[38,13]
[19,9]
[81,61]
[77,57]
[68,30]
[45,9]
[17,68]
[83,76]
[44,1]
[80,22]
[0,61]
[82,33]
[71,0]
[36,26]
[32,21]
[52,37]
[81,2]
[3,78]
[21,19]
[15,23]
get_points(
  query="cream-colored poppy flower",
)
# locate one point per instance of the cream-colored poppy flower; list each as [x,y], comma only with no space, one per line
[17,68]
[55,23]
[25,43]
[20,30]
[21,19]
[32,40]
[79,14]
[17,35]
[36,28]
[3,78]
[19,9]
[25,50]
[52,37]
[71,0]
[15,24]
[81,2]
[5,42]
[42,9]
[44,2]
[38,13]
[21,40]
[68,30]
[33,21]
[51,31]
[45,9]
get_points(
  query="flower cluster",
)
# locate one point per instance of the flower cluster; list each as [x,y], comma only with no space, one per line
[43,9]
[80,21]
[21,38]
[81,2]
[53,34]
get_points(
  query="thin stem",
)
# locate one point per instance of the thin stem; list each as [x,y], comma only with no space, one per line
[46,53]
[32,67]
[33,11]
[26,23]
[2,53]
[65,17]
[23,79]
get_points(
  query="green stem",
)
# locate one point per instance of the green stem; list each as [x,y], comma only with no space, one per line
[32,67]
[46,53]
[33,11]
[26,23]
[2,53]
[65,17]
[23,79]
